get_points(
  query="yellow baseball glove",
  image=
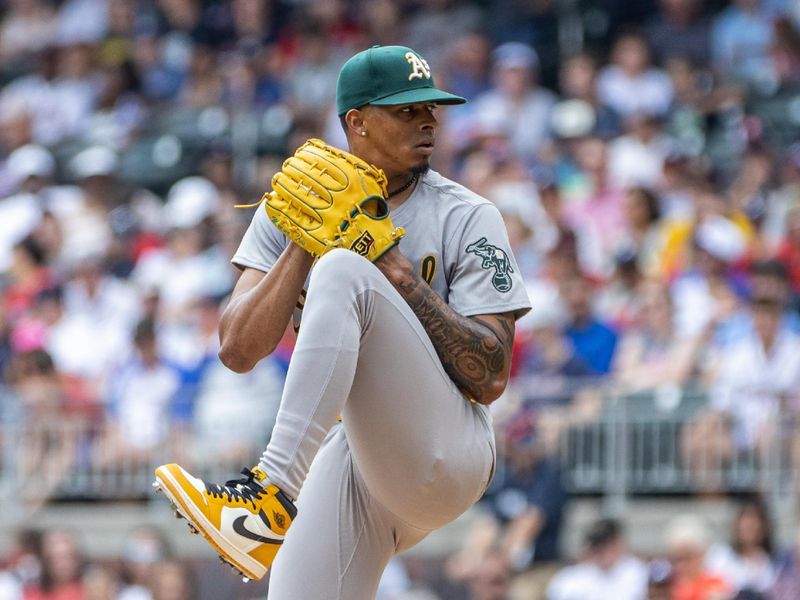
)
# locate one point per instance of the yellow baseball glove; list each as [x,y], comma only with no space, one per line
[325,198]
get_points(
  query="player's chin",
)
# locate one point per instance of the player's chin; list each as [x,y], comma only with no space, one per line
[421,164]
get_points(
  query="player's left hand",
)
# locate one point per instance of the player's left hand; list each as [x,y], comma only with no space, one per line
[325,198]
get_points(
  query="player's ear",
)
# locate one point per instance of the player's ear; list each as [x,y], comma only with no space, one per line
[356,125]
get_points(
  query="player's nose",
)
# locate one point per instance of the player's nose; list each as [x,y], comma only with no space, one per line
[429,122]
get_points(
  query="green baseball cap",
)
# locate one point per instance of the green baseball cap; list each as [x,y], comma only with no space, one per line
[388,76]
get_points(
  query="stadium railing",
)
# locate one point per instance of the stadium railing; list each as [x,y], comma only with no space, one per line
[632,445]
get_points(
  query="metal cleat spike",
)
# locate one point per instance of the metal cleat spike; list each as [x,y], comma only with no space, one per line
[236,569]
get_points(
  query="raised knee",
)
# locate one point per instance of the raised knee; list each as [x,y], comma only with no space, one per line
[341,257]
[340,267]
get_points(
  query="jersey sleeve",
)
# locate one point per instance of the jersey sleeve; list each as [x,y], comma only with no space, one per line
[261,244]
[484,277]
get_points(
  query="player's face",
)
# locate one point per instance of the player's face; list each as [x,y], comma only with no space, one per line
[401,137]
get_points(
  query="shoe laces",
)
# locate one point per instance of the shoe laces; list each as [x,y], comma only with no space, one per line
[238,490]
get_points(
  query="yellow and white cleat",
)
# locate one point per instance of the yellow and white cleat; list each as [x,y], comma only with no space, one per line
[243,520]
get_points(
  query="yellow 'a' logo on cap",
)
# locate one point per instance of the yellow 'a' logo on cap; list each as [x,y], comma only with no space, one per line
[419,66]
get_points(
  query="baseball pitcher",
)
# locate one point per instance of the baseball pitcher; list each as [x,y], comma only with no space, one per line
[408,294]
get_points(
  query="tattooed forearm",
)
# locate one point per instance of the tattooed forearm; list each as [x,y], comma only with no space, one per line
[475,352]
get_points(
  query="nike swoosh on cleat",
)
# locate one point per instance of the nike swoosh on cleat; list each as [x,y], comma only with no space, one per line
[238,527]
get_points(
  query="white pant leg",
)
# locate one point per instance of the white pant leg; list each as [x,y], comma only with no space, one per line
[341,540]
[423,451]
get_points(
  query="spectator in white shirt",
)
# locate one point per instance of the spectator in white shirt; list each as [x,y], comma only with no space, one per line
[522,107]
[756,377]
[706,294]
[760,374]
[742,39]
[630,85]
[85,220]
[746,563]
[25,28]
[92,290]
[185,271]
[59,96]
[29,169]
[651,354]
[637,158]
[578,81]
[606,572]
[82,21]
[140,404]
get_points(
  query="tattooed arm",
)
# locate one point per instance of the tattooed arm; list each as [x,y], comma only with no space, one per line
[475,351]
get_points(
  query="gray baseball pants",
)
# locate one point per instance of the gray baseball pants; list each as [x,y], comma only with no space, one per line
[410,455]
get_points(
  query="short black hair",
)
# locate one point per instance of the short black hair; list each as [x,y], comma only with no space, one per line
[770,268]
[756,503]
[53,293]
[651,202]
[601,532]
[33,249]
[145,330]
[39,362]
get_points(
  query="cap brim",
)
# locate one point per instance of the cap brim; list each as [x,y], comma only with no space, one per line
[419,95]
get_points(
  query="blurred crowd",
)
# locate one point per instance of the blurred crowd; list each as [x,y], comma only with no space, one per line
[696,564]
[643,155]
[54,565]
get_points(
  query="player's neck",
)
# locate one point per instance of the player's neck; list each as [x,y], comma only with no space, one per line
[401,187]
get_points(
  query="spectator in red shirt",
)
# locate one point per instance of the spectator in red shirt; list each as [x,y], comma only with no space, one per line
[789,249]
[687,540]
[28,275]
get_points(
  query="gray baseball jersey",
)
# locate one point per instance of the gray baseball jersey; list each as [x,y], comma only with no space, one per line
[411,453]
[456,238]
